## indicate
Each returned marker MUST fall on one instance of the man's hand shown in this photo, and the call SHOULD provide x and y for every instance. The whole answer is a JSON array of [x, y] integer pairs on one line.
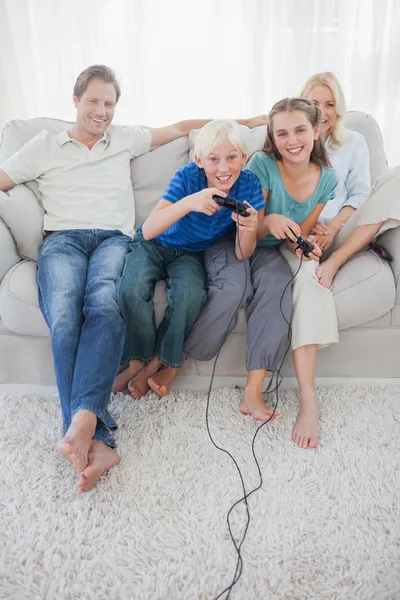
[[280, 227], [203, 201], [257, 121], [247, 224], [314, 255]]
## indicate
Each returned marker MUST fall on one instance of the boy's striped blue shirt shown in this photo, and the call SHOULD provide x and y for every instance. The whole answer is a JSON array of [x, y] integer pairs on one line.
[[196, 232]]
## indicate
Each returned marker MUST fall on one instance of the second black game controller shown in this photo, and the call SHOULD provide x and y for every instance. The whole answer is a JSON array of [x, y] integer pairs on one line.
[[303, 244], [233, 205], [380, 251]]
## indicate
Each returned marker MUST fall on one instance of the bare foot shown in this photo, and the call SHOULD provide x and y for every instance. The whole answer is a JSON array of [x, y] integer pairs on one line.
[[74, 447], [161, 382], [102, 458], [326, 272], [306, 430], [122, 379], [253, 403], [138, 385]]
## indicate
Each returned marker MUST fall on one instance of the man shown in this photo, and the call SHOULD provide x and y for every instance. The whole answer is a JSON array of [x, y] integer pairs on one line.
[[84, 178]]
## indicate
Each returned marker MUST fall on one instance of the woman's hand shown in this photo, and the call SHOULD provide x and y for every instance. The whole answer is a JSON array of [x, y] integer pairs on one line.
[[325, 241]]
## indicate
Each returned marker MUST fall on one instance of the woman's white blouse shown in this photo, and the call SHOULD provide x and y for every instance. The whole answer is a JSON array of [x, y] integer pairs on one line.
[[351, 163]]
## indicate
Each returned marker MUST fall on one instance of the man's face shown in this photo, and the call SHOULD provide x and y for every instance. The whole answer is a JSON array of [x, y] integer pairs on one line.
[[222, 166], [95, 109]]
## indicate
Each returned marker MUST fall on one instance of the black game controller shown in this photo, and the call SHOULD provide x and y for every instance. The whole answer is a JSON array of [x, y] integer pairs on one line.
[[380, 251], [233, 205], [303, 244]]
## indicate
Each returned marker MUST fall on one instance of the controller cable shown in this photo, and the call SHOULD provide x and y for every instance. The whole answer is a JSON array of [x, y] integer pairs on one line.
[[278, 381]]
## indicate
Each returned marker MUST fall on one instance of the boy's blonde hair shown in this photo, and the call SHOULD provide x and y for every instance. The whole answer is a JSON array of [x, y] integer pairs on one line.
[[214, 133], [338, 131]]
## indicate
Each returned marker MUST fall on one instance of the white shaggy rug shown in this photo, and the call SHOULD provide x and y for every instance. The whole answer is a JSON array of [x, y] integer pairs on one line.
[[325, 525]]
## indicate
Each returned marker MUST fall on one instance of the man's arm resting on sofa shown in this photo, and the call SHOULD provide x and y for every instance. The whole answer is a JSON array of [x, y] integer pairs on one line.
[[163, 135], [6, 183]]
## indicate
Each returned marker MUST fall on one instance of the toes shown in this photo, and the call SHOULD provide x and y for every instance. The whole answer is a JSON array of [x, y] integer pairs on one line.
[[305, 442], [314, 441]]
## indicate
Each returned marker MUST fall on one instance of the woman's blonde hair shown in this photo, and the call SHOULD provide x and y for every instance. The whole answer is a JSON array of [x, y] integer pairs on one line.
[[318, 154], [214, 133], [338, 131]]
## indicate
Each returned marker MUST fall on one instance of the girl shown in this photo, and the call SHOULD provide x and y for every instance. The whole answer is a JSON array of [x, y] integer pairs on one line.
[[293, 170]]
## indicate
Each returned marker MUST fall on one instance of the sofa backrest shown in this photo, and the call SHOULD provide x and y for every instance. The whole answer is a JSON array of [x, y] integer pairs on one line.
[[152, 172]]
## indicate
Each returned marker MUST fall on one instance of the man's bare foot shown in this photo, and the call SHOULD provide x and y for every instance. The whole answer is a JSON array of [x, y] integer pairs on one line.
[[102, 458], [74, 447], [161, 382], [122, 379], [253, 403], [138, 385], [306, 429], [326, 271]]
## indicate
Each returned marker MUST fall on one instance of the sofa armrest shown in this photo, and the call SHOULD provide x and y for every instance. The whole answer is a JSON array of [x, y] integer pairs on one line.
[[391, 241], [23, 215], [8, 250]]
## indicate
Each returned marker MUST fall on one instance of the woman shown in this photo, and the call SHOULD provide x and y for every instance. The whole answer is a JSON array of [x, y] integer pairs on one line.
[[348, 154]]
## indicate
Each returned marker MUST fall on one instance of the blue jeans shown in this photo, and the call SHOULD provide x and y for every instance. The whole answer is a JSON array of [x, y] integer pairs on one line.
[[76, 273], [183, 272]]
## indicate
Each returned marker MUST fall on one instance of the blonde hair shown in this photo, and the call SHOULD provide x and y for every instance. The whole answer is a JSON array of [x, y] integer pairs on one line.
[[338, 131], [214, 133]]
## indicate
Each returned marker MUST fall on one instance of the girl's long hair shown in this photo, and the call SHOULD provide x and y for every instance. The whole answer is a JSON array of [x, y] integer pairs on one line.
[[318, 154]]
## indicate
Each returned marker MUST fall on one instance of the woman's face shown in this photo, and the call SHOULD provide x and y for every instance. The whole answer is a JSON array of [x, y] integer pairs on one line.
[[322, 96]]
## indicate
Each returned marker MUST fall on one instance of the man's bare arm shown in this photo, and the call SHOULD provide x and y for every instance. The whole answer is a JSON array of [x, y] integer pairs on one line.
[[163, 135], [6, 183]]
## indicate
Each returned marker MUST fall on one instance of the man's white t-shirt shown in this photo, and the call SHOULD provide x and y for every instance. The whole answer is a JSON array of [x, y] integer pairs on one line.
[[82, 188]]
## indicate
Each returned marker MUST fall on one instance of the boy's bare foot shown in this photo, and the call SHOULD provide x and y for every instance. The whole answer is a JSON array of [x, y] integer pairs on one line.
[[327, 270], [74, 447], [161, 382], [306, 430], [138, 385], [122, 379], [101, 459], [253, 403]]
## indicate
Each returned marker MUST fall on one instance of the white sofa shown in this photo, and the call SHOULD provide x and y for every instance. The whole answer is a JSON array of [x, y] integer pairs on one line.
[[366, 290]]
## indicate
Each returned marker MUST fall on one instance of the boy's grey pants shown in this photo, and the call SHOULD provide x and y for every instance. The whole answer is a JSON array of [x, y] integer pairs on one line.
[[267, 273]]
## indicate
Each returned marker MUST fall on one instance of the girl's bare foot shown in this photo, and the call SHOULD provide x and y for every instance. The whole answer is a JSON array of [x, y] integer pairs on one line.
[[306, 431], [74, 447], [122, 379], [161, 382], [138, 385], [326, 271], [102, 458], [253, 403]]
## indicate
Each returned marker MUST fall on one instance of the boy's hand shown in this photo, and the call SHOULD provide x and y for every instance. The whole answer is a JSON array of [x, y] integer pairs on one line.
[[314, 255], [280, 227], [247, 224], [203, 201]]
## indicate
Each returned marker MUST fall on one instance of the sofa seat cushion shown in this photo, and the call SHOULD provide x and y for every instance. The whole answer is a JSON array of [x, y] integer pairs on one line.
[[364, 290], [19, 306]]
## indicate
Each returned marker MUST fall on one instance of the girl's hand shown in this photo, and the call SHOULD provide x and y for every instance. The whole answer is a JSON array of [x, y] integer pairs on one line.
[[203, 201], [314, 255], [247, 224], [281, 227]]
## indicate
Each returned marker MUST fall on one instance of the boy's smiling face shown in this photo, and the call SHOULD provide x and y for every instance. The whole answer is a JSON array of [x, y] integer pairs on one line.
[[222, 166]]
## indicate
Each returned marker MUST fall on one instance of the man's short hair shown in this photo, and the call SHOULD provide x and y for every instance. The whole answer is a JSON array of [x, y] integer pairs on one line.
[[214, 133], [96, 72]]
